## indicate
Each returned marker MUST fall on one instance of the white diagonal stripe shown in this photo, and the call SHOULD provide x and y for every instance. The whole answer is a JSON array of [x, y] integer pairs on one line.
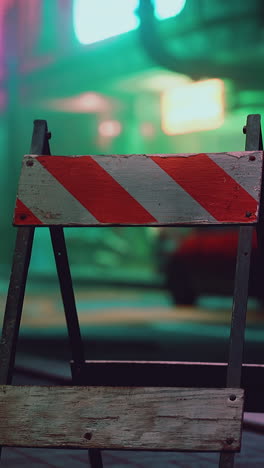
[[245, 172], [154, 189], [48, 199]]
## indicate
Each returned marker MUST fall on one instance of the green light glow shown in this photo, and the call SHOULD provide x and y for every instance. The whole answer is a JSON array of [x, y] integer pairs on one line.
[[95, 21]]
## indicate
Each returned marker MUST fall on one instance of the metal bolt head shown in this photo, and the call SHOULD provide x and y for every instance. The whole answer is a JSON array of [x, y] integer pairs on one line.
[[252, 158], [245, 129], [30, 162], [248, 214]]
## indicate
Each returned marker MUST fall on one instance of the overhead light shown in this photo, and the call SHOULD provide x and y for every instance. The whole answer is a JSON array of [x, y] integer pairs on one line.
[[193, 107], [95, 20]]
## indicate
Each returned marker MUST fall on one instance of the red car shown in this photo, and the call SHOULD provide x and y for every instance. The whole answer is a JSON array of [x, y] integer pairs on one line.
[[204, 264]]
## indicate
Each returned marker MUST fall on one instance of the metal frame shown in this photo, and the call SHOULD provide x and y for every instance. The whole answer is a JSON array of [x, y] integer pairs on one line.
[[21, 259]]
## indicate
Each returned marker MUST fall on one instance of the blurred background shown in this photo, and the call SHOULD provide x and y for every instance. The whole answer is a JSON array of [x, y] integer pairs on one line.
[[127, 76]]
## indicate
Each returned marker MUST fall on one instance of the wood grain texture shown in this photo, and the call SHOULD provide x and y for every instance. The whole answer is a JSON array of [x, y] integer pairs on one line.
[[183, 189], [121, 418]]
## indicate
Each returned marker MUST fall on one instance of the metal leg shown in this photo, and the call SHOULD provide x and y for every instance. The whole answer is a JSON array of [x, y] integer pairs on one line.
[[67, 293], [260, 225], [227, 460], [95, 458], [238, 324], [14, 303], [64, 275]]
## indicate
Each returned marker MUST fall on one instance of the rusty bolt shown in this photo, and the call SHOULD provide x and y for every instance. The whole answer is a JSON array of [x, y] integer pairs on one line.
[[88, 435], [252, 158], [30, 162]]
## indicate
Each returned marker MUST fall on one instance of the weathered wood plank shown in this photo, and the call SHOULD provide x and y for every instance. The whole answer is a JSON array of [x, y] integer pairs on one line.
[[121, 418], [183, 189]]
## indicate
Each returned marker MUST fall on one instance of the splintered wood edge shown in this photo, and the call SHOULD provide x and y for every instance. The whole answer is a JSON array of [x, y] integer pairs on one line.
[[141, 418]]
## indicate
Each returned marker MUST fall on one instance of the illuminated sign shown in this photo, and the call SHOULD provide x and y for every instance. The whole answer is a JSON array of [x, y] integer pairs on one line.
[[193, 107]]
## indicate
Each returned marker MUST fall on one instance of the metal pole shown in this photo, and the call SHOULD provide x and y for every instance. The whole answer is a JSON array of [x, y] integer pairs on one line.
[[64, 275], [239, 311]]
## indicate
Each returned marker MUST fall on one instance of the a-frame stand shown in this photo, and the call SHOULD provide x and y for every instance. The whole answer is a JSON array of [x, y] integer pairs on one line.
[[130, 374]]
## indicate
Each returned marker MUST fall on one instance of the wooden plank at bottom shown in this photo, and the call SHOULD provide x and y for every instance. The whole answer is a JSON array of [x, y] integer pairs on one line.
[[142, 418]]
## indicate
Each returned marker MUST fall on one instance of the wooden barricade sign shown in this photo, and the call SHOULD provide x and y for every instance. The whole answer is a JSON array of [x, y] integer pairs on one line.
[[193, 189]]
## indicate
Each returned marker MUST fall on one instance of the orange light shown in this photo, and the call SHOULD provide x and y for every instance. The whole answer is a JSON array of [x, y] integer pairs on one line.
[[110, 128], [193, 107]]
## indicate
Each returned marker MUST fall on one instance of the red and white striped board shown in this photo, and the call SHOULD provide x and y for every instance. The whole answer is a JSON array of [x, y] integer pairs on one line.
[[181, 189]]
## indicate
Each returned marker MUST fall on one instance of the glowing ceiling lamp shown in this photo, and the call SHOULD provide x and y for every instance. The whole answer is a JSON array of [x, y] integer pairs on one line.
[[101, 19], [193, 107]]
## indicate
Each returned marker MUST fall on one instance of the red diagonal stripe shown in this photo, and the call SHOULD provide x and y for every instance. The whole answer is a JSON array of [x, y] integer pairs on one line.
[[96, 190], [24, 216], [211, 187]]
